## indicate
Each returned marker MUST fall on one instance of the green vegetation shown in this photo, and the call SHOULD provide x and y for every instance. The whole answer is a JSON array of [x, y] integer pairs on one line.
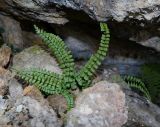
[[151, 77], [137, 83], [52, 83], [148, 83]]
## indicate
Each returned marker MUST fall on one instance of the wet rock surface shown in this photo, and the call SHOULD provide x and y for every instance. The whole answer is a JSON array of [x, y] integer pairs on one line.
[[102, 105]]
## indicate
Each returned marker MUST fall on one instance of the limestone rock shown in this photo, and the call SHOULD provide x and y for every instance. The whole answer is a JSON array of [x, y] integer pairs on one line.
[[35, 57], [141, 112], [31, 113], [102, 105], [15, 89], [33, 10], [100, 10]]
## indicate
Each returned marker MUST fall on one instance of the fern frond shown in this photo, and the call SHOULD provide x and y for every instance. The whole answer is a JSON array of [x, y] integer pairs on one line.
[[84, 76], [53, 83], [62, 54], [138, 84], [151, 77], [69, 99], [48, 82]]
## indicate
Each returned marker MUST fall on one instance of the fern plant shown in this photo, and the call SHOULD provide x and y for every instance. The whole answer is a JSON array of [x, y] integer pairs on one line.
[[138, 84], [151, 77], [53, 83]]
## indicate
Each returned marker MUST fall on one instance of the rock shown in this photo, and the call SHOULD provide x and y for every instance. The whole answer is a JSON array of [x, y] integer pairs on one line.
[[58, 103], [3, 105], [31, 39], [100, 10], [33, 92], [4, 79], [33, 10], [15, 89], [31, 113], [141, 112], [3, 87], [102, 105], [5, 53], [35, 57], [79, 40], [7, 82], [153, 42], [12, 32]]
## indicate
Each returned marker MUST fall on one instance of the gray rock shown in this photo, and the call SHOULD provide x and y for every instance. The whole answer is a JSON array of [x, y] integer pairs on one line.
[[141, 112], [153, 42], [35, 57], [15, 89], [78, 40], [120, 10], [102, 105], [100, 10], [3, 87], [3, 105], [32, 10], [31, 113], [12, 32], [7, 82]]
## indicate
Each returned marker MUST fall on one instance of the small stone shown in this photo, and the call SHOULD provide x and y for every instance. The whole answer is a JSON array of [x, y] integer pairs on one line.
[[3, 105], [58, 103], [3, 87], [15, 89], [33, 92], [102, 105], [5, 53], [19, 108], [3, 71]]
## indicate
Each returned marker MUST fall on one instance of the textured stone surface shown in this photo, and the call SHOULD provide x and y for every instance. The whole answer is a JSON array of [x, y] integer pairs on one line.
[[12, 34], [9, 84], [35, 57], [79, 39], [15, 89], [5, 53], [32, 10], [102, 105], [28, 112], [141, 112], [5, 77], [153, 42], [101, 10]]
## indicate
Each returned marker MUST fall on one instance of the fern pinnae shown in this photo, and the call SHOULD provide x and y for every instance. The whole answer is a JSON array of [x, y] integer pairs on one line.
[[62, 54], [94, 62], [138, 84], [53, 83]]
